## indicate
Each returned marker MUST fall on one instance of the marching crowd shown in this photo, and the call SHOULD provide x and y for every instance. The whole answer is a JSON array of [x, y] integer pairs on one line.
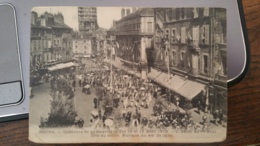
[[131, 95]]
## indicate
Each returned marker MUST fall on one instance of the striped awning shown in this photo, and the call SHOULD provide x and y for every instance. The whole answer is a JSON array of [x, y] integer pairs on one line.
[[163, 78], [190, 89], [153, 74], [176, 82], [53, 68]]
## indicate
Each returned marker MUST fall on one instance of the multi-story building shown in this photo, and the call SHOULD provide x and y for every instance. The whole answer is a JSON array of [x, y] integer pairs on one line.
[[82, 47], [51, 39], [41, 40], [62, 38], [87, 17], [192, 43], [134, 33]]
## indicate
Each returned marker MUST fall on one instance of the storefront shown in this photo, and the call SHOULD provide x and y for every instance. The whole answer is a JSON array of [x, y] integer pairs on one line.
[[62, 66], [182, 90]]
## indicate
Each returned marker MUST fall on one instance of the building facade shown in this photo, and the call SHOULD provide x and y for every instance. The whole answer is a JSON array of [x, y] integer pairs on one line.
[[41, 37], [51, 39], [82, 47], [134, 33], [87, 17], [192, 43]]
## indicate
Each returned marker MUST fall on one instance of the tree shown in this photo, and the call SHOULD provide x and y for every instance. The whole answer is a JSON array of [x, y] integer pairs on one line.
[[62, 112]]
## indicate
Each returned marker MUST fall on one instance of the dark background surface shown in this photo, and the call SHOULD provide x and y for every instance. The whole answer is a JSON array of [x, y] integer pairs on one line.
[[243, 98]]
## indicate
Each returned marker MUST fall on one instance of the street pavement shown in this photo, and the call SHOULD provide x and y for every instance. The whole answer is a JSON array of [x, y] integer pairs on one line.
[[40, 102]]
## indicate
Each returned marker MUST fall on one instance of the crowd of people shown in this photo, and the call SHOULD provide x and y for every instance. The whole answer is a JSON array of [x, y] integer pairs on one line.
[[141, 104], [134, 98]]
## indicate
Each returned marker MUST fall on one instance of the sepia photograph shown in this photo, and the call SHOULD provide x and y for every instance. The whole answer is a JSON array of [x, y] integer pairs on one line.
[[128, 74]]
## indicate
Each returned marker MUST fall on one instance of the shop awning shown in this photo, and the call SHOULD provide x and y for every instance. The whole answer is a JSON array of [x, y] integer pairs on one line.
[[190, 89], [61, 66], [53, 68], [153, 74], [163, 79], [131, 72], [69, 64], [175, 82]]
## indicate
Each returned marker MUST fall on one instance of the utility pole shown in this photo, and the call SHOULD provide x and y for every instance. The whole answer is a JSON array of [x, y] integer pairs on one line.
[[111, 67], [167, 46]]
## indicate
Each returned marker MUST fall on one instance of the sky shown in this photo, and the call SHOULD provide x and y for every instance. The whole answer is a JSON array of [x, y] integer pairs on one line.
[[105, 15]]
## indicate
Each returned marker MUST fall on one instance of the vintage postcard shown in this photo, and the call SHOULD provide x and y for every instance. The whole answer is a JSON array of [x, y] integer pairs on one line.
[[128, 74]]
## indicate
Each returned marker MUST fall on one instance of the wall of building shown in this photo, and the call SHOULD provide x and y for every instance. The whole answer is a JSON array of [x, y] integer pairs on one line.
[[49, 43], [191, 39], [82, 46], [134, 35], [87, 18], [147, 25], [40, 37]]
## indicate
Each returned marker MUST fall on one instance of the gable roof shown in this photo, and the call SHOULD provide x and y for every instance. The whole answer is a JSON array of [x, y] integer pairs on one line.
[[59, 25]]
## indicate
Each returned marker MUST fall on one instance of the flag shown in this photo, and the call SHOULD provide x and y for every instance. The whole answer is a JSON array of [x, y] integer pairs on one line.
[[117, 45], [38, 65], [167, 58]]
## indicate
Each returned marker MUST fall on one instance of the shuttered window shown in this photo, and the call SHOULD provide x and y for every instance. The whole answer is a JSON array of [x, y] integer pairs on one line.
[[183, 34], [205, 34], [167, 34], [206, 11], [173, 35], [195, 36]]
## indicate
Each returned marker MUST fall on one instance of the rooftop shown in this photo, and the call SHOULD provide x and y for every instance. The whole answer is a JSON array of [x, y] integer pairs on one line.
[[142, 12]]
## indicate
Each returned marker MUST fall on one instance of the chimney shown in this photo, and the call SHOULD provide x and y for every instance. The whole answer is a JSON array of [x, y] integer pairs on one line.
[[43, 21], [123, 12], [127, 12], [59, 18], [34, 18]]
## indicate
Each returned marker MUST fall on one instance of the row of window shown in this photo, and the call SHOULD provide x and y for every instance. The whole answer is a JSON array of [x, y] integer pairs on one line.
[[171, 57], [86, 9], [64, 44], [130, 27], [186, 13], [82, 17], [43, 44], [40, 34], [197, 35], [87, 13], [84, 41], [85, 47], [86, 24], [136, 27], [81, 52], [40, 44]]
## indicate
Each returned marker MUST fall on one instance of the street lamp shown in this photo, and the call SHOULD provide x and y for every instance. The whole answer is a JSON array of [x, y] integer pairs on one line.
[[167, 49], [112, 37]]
